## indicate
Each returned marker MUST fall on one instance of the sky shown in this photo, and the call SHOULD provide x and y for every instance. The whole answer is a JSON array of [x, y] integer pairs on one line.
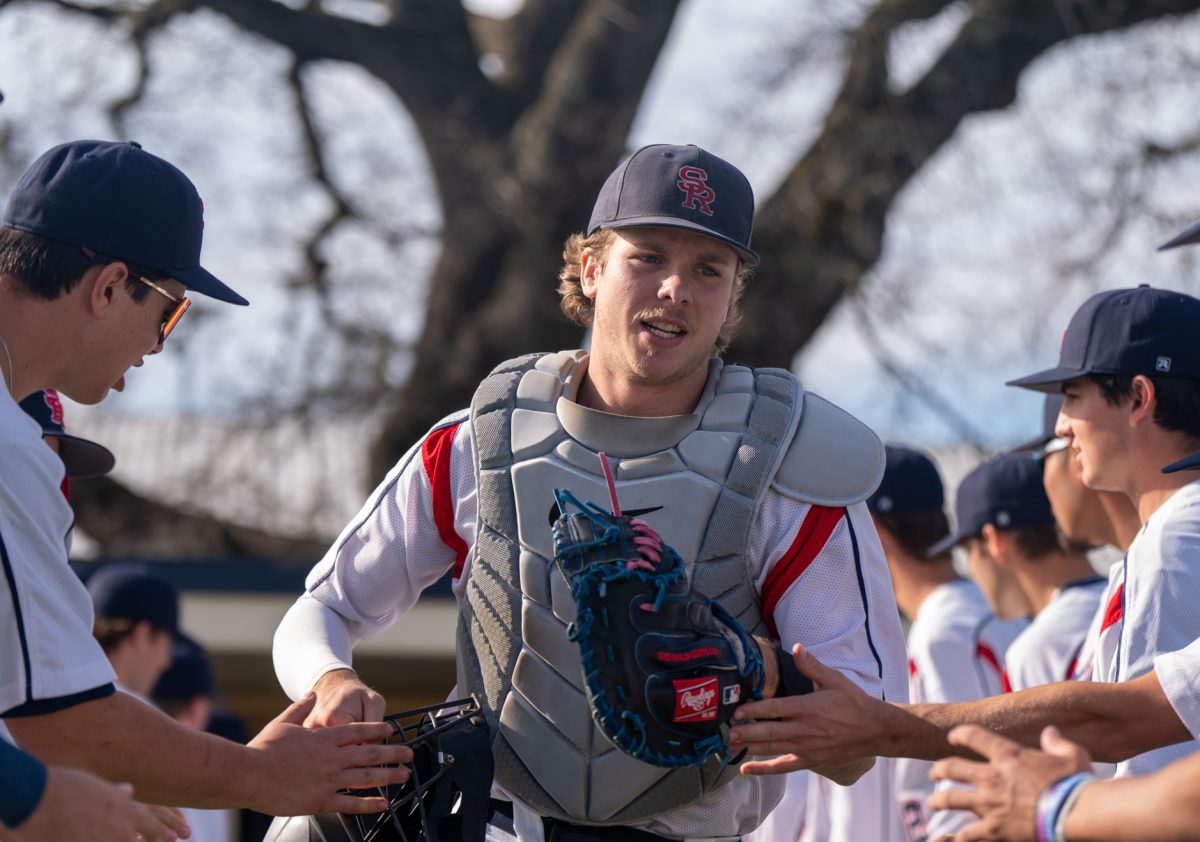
[[969, 292]]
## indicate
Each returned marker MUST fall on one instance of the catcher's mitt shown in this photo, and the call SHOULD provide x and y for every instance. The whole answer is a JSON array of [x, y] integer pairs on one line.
[[664, 666]]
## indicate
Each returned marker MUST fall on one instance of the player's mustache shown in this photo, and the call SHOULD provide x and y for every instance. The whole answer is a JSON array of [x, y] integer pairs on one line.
[[664, 315]]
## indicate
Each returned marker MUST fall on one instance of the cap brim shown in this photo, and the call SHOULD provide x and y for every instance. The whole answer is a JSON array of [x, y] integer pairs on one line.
[[1187, 463], [1186, 237], [83, 458], [1047, 381], [749, 256], [199, 279], [945, 545], [1032, 445]]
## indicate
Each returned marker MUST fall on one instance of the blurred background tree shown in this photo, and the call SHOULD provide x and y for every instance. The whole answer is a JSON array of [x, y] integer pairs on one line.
[[391, 183]]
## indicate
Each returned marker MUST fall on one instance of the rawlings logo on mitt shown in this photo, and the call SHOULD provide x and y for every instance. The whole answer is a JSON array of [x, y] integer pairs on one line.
[[664, 666]]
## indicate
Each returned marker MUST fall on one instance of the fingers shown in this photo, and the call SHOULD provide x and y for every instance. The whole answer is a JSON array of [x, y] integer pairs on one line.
[[954, 799], [1053, 742], [983, 742], [375, 754], [362, 732], [773, 708], [356, 805], [773, 766], [959, 769], [821, 675], [171, 819], [370, 777], [298, 710]]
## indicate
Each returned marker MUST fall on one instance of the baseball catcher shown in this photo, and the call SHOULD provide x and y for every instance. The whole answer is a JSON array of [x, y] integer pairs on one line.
[[664, 666]]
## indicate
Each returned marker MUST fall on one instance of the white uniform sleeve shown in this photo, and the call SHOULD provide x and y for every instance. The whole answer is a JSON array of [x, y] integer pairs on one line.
[[1179, 674], [381, 562], [50, 659], [834, 592]]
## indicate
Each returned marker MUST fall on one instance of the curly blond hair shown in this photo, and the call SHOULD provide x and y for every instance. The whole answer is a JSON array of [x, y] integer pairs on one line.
[[581, 310]]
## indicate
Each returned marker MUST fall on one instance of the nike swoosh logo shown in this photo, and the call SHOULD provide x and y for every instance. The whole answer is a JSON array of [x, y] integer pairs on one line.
[[554, 513]]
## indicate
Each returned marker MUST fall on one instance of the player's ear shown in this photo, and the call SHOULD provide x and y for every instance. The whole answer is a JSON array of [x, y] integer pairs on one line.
[[101, 286], [589, 268], [995, 543], [1143, 397]]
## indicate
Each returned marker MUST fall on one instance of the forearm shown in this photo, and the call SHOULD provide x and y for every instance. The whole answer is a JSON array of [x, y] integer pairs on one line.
[[1112, 721], [1163, 807], [311, 640], [123, 739]]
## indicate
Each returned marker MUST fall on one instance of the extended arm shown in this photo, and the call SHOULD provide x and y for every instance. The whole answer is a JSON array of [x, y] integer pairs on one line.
[[839, 723], [286, 770]]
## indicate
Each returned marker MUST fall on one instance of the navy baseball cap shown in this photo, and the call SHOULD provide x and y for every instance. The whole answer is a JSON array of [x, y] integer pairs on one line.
[[1187, 236], [1127, 332], [679, 187], [81, 457], [132, 592], [119, 201], [911, 483], [188, 676], [1050, 410], [1006, 492]]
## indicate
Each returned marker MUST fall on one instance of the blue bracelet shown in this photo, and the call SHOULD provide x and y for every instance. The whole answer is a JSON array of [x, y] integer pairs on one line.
[[1051, 802]]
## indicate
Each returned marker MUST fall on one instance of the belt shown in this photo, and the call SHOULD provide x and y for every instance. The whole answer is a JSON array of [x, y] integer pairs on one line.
[[558, 830]]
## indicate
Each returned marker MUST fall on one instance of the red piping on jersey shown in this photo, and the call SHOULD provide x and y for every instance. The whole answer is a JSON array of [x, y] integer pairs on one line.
[[435, 455], [984, 651], [811, 538], [1115, 609]]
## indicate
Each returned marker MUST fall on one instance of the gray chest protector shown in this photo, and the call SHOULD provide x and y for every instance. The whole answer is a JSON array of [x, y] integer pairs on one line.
[[697, 479]]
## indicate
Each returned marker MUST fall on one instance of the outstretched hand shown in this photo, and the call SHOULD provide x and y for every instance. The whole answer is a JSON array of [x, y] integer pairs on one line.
[[830, 731], [302, 771], [1008, 785]]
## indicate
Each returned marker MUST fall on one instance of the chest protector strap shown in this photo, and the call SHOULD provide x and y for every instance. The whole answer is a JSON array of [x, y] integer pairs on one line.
[[512, 647]]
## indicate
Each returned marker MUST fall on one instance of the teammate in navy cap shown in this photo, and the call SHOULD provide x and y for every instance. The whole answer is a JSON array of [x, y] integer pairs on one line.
[[956, 644], [757, 483], [1129, 373], [99, 243], [1085, 516]]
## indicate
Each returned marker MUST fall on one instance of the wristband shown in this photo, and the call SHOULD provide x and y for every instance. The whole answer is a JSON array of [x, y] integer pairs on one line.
[[1060, 823], [1050, 805], [792, 682]]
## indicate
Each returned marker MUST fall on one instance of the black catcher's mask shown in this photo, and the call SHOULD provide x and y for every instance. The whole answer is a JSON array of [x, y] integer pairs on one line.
[[445, 799]]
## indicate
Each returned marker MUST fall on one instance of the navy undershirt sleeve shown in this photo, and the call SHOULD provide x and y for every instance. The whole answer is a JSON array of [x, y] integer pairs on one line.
[[22, 781]]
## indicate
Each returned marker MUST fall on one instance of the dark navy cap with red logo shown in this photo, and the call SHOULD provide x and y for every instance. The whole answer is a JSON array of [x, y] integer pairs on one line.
[[1127, 332], [81, 457], [911, 483], [1006, 492], [119, 201], [679, 187]]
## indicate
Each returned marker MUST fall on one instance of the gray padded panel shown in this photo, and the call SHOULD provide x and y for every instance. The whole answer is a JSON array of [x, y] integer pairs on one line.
[[553, 760], [535, 582], [728, 413], [555, 647], [534, 433], [664, 462], [834, 459], [557, 701], [538, 387], [709, 453]]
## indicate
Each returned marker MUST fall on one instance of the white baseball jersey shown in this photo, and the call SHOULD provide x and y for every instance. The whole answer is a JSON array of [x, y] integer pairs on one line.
[[1151, 607], [1179, 674], [834, 595], [786, 821], [863, 810], [1048, 650], [50, 659], [956, 650]]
